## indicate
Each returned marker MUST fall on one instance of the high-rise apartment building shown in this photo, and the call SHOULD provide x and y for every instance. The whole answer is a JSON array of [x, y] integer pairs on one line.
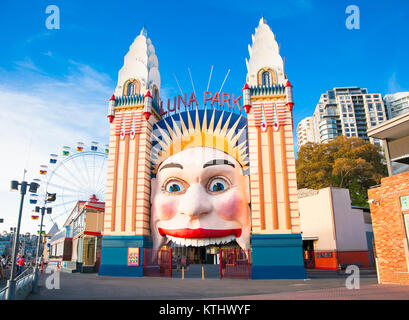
[[347, 111], [305, 131], [396, 104]]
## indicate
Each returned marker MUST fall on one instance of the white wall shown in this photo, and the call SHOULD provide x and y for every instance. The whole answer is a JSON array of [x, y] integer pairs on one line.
[[349, 223], [316, 219]]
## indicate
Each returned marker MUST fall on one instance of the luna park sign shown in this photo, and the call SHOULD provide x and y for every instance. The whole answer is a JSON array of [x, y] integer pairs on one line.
[[218, 100]]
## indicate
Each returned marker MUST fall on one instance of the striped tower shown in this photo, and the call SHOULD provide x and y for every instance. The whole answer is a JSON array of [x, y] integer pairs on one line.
[[276, 236], [132, 112]]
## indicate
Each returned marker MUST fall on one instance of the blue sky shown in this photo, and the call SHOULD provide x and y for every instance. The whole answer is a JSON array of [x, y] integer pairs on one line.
[[54, 84]]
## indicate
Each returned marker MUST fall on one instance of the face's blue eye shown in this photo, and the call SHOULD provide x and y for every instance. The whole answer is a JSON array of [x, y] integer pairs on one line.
[[218, 185], [174, 187]]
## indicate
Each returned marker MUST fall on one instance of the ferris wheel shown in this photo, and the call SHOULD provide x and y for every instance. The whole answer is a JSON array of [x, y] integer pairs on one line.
[[76, 174]]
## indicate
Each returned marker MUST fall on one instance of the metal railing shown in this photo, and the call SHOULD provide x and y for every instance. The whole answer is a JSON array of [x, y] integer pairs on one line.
[[24, 282], [3, 293]]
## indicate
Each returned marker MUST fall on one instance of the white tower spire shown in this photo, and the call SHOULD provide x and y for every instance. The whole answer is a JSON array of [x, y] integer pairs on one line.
[[140, 65], [264, 55]]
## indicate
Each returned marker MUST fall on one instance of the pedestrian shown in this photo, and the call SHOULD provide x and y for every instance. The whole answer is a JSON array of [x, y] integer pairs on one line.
[[2, 267], [178, 262], [20, 265], [3, 261]]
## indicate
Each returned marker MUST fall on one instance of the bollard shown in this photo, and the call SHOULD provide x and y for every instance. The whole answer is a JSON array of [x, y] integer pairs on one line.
[[183, 273], [202, 273], [42, 267]]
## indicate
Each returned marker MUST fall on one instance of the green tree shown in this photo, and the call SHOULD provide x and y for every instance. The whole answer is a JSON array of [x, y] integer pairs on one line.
[[350, 163]]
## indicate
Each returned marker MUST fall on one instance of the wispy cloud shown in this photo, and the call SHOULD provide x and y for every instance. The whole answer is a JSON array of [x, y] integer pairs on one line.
[[40, 114], [27, 63], [393, 84]]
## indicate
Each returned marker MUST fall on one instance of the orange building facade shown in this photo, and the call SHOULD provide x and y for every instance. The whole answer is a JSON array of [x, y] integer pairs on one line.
[[390, 220]]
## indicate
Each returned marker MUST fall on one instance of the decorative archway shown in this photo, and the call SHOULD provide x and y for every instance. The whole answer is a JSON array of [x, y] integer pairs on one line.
[[266, 77], [131, 87]]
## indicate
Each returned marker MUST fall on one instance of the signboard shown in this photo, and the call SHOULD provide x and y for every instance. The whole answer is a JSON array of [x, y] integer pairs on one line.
[[324, 255], [219, 100], [133, 257], [404, 203]]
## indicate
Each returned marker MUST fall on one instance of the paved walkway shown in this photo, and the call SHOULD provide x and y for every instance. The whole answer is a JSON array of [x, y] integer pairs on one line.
[[368, 292], [94, 287]]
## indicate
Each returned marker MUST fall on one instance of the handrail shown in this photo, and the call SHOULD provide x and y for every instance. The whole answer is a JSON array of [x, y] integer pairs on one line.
[[21, 281], [20, 276], [3, 292]]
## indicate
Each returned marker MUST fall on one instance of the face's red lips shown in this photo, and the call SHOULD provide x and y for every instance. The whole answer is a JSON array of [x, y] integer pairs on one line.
[[199, 233]]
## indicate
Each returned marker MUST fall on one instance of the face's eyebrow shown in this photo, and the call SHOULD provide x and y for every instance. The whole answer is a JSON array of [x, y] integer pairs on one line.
[[218, 162], [172, 165]]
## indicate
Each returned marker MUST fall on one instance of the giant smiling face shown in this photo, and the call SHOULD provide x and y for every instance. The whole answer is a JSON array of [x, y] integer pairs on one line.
[[200, 197]]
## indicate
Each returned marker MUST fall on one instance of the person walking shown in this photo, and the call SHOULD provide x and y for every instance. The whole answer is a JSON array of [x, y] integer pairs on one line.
[[178, 260], [20, 265], [2, 267]]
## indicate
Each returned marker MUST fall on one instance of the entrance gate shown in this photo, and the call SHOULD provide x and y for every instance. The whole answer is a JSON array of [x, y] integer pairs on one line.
[[235, 263], [157, 263]]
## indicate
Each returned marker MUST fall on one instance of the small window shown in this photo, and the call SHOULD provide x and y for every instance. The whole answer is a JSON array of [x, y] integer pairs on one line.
[[130, 89], [156, 95], [266, 79]]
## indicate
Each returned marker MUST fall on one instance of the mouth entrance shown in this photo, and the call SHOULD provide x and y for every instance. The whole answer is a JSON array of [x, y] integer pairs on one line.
[[195, 242], [199, 233]]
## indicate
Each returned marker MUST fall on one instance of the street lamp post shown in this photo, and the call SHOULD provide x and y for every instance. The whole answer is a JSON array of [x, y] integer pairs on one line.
[[50, 197], [23, 189]]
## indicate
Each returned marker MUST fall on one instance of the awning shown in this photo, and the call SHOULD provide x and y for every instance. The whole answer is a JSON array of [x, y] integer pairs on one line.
[[309, 238]]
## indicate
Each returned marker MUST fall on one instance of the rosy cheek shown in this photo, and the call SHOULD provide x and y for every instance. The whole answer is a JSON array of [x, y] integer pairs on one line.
[[167, 207], [231, 208]]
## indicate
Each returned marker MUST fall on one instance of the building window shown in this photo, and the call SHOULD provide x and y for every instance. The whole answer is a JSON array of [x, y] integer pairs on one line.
[[131, 88], [266, 79], [156, 95]]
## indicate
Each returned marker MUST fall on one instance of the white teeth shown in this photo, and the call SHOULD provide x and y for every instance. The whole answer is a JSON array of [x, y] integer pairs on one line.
[[200, 242]]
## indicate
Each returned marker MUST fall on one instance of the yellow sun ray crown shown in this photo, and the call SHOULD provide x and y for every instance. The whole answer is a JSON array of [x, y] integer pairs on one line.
[[178, 137]]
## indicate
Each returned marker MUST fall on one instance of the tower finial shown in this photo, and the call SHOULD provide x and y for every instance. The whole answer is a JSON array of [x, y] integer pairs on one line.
[[144, 32]]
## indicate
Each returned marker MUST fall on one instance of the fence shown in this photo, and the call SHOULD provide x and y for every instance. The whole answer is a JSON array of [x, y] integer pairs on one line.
[[24, 284], [235, 263], [157, 263]]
